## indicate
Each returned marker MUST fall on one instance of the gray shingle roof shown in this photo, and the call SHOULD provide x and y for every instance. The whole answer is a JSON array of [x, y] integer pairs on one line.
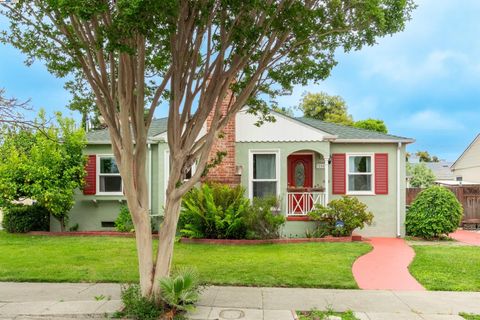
[[157, 127], [346, 132]]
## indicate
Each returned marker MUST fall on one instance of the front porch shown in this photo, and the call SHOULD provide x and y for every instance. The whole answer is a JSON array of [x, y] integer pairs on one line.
[[307, 183]]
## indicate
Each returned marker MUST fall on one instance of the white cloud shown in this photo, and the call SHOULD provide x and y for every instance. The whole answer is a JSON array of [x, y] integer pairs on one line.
[[430, 120], [412, 71]]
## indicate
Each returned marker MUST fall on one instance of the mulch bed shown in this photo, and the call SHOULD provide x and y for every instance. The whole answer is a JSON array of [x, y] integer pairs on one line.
[[271, 241], [352, 238], [84, 234]]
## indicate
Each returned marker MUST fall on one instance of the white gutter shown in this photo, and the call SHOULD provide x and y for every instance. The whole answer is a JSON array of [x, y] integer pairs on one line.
[[150, 178], [399, 147]]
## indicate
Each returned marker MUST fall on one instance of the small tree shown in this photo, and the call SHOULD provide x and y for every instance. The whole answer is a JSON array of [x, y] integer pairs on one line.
[[435, 212], [372, 124], [46, 165], [420, 175]]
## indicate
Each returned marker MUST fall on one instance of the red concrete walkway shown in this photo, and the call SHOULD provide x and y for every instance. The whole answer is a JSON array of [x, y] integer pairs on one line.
[[386, 266], [466, 236]]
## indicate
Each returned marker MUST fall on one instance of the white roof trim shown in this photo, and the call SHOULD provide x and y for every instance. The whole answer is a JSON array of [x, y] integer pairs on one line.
[[374, 141], [452, 167]]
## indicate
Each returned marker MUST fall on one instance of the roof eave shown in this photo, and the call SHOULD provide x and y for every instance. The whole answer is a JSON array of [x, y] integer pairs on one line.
[[404, 141]]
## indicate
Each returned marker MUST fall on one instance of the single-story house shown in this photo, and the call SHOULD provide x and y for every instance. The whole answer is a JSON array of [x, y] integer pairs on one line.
[[302, 161], [441, 170], [467, 167]]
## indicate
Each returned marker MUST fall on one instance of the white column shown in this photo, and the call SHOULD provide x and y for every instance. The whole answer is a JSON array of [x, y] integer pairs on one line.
[[327, 187]]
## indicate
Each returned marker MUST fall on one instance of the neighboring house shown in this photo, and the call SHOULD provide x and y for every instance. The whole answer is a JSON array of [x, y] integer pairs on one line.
[[301, 161], [441, 170], [467, 166]]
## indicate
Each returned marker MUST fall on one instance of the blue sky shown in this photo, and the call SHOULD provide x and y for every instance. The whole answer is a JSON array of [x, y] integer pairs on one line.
[[424, 82]]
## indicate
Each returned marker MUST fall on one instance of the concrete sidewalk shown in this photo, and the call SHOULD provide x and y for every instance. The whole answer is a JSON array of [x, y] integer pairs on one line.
[[69, 301]]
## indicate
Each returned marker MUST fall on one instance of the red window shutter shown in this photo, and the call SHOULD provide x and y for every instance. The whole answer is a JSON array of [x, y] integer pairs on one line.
[[381, 173], [91, 177], [339, 173]]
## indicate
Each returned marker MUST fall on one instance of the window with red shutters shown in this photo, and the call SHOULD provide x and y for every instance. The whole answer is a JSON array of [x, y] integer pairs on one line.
[[90, 187], [339, 173], [381, 173]]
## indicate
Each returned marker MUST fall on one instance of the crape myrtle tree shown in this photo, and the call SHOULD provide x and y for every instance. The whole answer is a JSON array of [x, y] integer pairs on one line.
[[186, 56]]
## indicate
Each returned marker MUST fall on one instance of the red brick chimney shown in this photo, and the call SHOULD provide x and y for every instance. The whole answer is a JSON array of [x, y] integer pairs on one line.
[[226, 171]]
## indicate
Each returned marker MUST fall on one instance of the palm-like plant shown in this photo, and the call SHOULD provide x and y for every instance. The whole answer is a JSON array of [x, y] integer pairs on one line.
[[181, 291]]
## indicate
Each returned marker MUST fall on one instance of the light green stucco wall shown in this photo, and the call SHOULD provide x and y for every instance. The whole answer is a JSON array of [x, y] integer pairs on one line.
[[90, 210], [384, 207], [89, 214]]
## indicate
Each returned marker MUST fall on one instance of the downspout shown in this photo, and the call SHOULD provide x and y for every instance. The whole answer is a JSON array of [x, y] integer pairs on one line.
[[150, 178], [399, 147]]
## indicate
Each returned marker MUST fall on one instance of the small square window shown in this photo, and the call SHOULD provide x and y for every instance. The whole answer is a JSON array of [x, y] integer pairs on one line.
[[109, 179], [360, 173]]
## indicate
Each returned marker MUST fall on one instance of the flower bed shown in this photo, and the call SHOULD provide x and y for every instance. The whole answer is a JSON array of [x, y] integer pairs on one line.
[[84, 234], [272, 241]]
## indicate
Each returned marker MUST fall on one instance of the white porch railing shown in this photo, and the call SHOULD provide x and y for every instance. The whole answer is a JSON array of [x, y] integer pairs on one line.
[[302, 202]]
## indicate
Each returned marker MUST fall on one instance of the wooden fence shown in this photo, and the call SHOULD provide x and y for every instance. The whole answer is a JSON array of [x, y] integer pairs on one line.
[[469, 197]]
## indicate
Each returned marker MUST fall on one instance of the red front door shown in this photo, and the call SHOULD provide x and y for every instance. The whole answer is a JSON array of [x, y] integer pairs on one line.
[[300, 177]]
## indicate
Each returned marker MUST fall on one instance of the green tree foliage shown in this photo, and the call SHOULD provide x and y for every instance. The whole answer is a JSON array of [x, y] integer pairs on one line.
[[45, 164], [24, 218], [322, 106], [420, 175], [372, 124], [434, 213], [348, 210], [424, 156]]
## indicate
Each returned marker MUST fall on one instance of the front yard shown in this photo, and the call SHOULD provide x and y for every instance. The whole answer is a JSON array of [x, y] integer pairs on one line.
[[447, 267], [111, 259]]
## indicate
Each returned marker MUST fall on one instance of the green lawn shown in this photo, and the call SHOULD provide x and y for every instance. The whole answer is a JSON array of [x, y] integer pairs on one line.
[[111, 259], [444, 267], [470, 316]]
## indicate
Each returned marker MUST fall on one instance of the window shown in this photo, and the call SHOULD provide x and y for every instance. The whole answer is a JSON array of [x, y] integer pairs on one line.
[[264, 175], [360, 174], [109, 180]]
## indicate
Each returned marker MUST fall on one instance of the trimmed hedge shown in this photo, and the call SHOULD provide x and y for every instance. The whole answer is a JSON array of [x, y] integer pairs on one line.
[[21, 218], [434, 213]]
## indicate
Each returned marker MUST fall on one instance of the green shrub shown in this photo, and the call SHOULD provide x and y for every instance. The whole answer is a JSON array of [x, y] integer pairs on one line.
[[214, 211], [180, 292], [124, 221], [136, 306], [435, 212], [261, 222], [341, 216], [22, 218]]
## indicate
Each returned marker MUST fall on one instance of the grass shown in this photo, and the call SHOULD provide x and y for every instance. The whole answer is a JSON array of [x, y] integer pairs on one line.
[[470, 316], [320, 315], [112, 259], [443, 267]]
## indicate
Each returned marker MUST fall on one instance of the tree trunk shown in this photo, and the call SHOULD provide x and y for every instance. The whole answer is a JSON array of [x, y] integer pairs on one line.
[[62, 224], [143, 237], [166, 242]]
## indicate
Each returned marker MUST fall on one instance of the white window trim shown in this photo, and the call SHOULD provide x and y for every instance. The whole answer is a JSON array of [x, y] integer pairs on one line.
[[252, 152], [372, 164], [98, 192]]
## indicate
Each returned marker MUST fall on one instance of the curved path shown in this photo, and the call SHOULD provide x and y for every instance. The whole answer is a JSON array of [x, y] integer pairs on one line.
[[386, 266], [466, 236]]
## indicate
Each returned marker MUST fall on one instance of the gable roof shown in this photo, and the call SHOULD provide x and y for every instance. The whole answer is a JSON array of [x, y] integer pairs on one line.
[[158, 126], [339, 133], [465, 151], [352, 134]]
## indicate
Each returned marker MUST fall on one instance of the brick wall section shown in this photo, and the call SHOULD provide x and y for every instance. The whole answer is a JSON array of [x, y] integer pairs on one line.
[[225, 172]]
